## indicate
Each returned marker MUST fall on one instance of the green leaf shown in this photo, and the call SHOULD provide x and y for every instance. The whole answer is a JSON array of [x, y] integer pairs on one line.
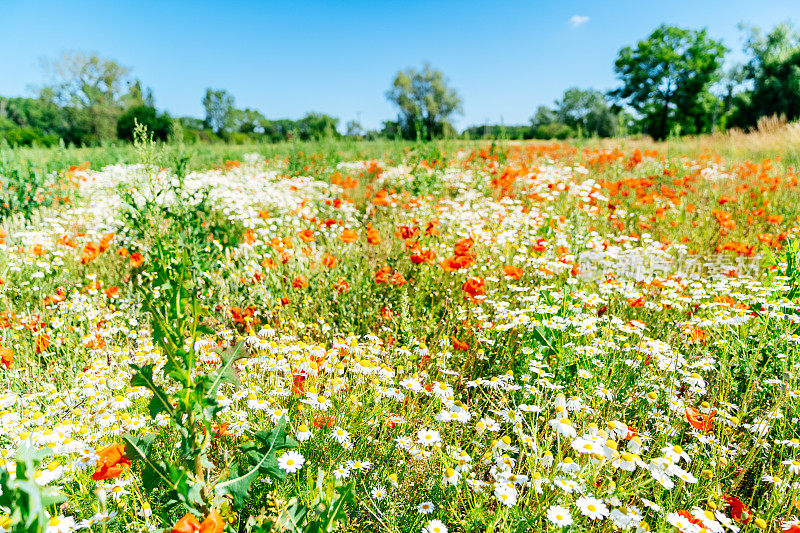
[[226, 373], [335, 512], [137, 448], [262, 459], [159, 403], [292, 519]]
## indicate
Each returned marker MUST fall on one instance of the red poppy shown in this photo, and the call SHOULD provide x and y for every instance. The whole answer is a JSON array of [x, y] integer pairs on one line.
[[349, 236], [428, 256], [699, 420], [42, 343], [460, 345], [189, 524], [6, 356], [306, 235], [373, 237], [456, 263], [321, 421], [475, 287], [463, 247], [688, 516], [136, 260], [328, 260], [298, 384], [512, 272], [111, 463], [739, 511]]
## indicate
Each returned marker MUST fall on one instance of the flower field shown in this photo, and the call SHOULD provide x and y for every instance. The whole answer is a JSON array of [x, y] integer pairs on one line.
[[505, 338]]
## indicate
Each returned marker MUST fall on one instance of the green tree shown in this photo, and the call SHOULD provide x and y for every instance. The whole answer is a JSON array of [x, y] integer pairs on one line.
[[425, 101], [317, 126], [159, 124], [587, 111], [248, 121], [666, 78], [43, 122], [137, 95], [773, 71], [220, 110], [353, 128], [91, 86]]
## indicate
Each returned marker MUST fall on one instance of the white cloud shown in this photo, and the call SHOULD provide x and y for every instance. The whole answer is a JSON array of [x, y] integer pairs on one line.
[[578, 20]]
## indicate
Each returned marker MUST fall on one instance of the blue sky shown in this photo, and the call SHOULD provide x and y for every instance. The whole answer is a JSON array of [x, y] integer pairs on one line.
[[339, 57]]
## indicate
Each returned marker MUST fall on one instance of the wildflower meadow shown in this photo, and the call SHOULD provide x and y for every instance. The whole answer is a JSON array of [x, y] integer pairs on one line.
[[436, 337]]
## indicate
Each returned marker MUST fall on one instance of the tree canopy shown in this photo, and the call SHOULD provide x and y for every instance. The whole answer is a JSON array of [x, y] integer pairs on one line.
[[671, 82], [774, 71], [665, 78], [219, 106], [425, 101]]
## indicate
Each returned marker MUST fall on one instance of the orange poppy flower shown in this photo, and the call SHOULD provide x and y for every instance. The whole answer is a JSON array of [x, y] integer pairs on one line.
[[137, 260], [321, 421], [636, 302], [306, 235], [105, 242], [463, 247], [698, 335], [698, 420], [460, 345], [112, 292], [373, 237], [738, 510], [6, 356], [300, 282], [349, 236], [111, 463], [298, 384], [187, 524], [221, 430], [430, 227], [341, 286], [213, 523], [456, 263], [328, 260], [512, 272], [42, 343], [475, 287], [428, 256]]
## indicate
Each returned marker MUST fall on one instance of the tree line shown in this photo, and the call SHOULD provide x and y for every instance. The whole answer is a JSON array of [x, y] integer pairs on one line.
[[671, 83]]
